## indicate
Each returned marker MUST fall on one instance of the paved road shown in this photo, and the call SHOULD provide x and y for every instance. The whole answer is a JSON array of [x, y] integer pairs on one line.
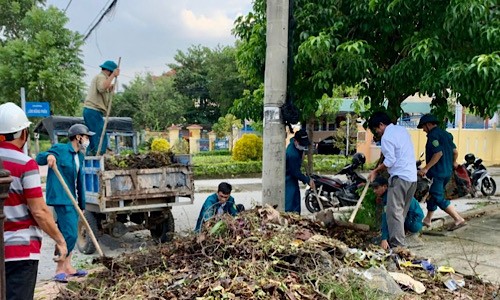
[[474, 249]]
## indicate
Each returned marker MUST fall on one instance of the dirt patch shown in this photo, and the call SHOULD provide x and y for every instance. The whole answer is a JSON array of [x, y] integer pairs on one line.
[[260, 254], [138, 161]]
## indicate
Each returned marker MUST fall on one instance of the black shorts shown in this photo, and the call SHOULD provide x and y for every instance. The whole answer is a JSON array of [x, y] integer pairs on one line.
[[21, 279]]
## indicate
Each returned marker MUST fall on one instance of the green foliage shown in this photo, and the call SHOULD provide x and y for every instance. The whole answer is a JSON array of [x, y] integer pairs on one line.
[[248, 147], [210, 79], [213, 153], [151, 102], [370, 212], [181, 146], [339, 139], [224, 126], [231, 168], [12, 14], [160, 145], [218, 166], [37, 52], [389, 49]]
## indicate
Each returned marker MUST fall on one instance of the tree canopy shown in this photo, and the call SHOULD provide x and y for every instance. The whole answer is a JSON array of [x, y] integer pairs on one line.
[[392, 49], [210, 79], [151, 102], [37, 52]]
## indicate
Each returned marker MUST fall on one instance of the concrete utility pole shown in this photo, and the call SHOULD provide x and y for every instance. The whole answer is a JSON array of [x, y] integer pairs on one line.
[[273, 162]]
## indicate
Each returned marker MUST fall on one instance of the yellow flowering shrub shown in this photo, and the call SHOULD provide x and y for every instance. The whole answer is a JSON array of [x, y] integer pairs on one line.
[[248, 147], [160, 145]]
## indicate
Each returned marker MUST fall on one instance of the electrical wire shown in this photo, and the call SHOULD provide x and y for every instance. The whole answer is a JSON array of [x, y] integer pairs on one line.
[[107, 11], [67, 6]]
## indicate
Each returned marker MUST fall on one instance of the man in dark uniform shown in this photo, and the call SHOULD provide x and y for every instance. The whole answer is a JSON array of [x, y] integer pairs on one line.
[[294, 153], [441, 158]]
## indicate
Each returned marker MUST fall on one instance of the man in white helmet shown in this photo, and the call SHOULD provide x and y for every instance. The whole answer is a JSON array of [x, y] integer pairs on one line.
[[26, 213]]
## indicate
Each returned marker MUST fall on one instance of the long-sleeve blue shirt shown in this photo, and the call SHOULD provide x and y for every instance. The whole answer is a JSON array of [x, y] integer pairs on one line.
[[65, 160], [413, 220], [211, 206], [294, 163]]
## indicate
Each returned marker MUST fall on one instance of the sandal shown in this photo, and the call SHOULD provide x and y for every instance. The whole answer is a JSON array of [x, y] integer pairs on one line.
[[61, 277], [456, 226], [79, 273]]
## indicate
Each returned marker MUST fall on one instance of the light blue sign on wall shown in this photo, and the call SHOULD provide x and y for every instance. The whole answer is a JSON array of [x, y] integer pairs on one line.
[[37, 109]]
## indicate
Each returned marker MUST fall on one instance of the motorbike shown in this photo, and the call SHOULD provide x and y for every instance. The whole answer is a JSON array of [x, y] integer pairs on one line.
[[333, 192], [478, 174]]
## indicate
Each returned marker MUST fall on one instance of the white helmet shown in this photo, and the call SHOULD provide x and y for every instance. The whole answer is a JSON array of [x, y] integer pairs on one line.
[[12, 118]]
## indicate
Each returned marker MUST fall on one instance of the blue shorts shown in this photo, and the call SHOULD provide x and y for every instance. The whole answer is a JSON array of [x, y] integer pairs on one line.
[[437, 194], [67, 222]]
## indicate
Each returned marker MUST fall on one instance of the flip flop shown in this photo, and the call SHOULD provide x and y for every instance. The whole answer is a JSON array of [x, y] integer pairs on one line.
[[456, 226], [427, 224], [61, 277], [79, 273]]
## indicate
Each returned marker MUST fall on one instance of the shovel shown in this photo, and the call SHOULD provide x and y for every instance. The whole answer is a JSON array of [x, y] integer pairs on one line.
[[327, 216], [358, 205], [82, 217]]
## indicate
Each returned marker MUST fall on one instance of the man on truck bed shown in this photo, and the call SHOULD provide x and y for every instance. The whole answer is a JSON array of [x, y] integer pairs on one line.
[[69, 160], [95, 106]]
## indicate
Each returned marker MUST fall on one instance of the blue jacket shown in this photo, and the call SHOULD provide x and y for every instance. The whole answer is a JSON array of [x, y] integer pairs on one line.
[[210, 207], [439, 140], [413, 220], [294, 163], [55, 194]]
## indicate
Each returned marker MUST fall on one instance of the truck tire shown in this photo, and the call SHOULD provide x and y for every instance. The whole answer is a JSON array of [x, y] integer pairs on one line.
[[164, 230], [84, 242]]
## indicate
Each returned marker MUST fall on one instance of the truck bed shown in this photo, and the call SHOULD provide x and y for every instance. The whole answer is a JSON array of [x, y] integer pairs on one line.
[[136, 189]]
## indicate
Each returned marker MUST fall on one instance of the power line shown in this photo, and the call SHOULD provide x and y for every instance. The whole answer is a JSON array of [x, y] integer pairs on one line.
[[67, 6], [107, 11]]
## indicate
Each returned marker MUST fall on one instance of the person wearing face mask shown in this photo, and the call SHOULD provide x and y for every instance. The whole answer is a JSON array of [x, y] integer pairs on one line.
[[69, 159], [26, 213], [294, 154]]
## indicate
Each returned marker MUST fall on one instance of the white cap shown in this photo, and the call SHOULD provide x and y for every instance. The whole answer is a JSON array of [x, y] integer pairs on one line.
[[12, 118]]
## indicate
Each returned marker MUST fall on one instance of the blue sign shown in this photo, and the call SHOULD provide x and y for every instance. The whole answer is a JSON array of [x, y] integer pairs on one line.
[[37, 109]]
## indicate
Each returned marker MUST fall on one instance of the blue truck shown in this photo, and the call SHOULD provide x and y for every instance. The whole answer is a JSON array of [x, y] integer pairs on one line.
[[119, 201]]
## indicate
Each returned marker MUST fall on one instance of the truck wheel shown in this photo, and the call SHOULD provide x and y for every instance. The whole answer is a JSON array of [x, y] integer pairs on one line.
[[164, 230], [84, 242], [118, 229]]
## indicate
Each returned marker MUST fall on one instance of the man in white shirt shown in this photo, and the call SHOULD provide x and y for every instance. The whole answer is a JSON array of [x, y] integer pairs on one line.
[[399, 161]]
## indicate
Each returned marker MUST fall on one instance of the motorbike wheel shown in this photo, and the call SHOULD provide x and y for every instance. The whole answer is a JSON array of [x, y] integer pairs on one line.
[[488, 187], [311, 202]]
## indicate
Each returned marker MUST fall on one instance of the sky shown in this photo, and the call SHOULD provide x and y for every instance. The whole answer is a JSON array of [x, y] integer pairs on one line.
[[146, 34]]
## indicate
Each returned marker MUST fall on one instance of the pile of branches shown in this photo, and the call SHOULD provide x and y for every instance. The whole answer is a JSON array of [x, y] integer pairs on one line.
[[150, 160], [260, 254]]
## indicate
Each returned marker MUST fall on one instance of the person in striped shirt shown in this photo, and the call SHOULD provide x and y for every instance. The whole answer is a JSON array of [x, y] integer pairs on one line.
[[26, 213]]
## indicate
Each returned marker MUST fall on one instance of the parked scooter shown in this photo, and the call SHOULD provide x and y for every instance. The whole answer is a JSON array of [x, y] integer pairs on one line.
[[480, 179], [332, 192]]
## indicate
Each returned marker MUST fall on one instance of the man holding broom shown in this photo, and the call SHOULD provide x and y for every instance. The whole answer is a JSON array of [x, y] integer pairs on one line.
[[96, 105], [69, 159]]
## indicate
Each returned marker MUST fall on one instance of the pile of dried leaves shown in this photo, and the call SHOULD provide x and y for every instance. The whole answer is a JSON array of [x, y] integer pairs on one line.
[[260, 254], [138, 161]]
